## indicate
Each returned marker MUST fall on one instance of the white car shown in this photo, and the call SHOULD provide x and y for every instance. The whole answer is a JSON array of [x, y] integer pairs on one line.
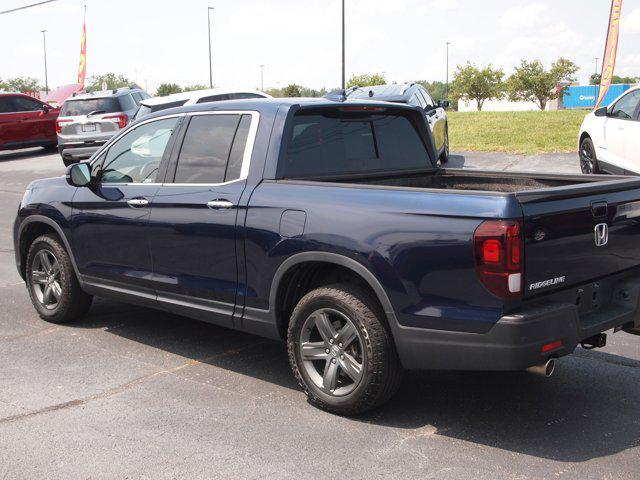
[[609, 139], [155, 104]]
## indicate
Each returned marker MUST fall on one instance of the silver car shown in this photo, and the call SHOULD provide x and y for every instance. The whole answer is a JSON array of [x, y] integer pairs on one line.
[[87, 121]]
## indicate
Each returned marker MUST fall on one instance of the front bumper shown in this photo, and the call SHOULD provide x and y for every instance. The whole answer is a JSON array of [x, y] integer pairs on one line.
[[516, 340]]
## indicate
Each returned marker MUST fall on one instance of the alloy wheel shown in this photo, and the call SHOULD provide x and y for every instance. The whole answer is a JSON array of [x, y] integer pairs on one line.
[[331, 349], [45, 279], [586, 158]]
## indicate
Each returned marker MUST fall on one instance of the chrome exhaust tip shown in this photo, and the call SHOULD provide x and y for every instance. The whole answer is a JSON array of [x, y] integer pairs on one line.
[[545, 369]]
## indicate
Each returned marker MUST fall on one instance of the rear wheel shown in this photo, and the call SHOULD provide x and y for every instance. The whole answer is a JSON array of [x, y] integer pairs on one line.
[[52, 283], [588, 160], [341, 351]]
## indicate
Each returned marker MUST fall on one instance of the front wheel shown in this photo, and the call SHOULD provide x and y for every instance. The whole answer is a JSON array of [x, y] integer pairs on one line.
[[588, 159], [341, 351], [52, 283], [444, 156]]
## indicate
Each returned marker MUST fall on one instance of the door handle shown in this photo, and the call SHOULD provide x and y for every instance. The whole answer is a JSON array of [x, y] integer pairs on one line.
[[138, 202], [217, 204]]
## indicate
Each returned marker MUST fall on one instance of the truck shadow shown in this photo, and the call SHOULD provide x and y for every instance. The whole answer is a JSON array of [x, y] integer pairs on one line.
[[587, 410]]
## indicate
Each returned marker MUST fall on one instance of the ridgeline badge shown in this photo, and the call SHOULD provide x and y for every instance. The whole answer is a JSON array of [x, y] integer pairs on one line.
[[546, 283]]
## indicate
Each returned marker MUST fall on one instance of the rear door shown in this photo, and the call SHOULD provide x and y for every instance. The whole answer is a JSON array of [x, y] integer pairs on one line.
[[194, 231], [110, 221], [580, 238]]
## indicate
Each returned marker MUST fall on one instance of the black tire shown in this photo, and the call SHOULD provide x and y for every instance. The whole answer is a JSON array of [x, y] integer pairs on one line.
[[380, 373], [444, 156], [72, 302], [51, 148], [588, 159]]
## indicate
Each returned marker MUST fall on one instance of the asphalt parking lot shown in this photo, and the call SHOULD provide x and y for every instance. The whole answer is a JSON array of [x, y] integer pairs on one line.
[[134, 393]]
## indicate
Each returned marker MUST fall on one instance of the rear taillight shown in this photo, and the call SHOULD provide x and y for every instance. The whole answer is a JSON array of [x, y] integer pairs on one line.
[[59, 124], [499, 252], [120, 119]]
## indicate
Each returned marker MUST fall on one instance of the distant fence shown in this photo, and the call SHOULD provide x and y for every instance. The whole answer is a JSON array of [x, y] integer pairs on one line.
[[584, 96]]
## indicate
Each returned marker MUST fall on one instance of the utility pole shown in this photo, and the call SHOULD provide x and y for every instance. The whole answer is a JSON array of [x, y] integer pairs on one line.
[[447, 87], [46, 76], [210, 61], [344, 82], [261, 78]]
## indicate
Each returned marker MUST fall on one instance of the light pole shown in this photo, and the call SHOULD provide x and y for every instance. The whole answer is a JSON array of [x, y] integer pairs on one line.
[[344, 82], [261, 78], [46, 76], [447, 84], [210, 61]]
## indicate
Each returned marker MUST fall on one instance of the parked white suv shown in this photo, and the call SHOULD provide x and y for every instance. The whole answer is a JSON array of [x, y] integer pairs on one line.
[[609, 139], [155, 104]]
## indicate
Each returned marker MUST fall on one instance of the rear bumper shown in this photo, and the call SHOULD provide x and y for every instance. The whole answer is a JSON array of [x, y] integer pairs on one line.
[[515, 342], [72, 154]]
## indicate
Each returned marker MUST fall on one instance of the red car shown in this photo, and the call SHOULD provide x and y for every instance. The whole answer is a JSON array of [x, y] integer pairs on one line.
[[26, 122]]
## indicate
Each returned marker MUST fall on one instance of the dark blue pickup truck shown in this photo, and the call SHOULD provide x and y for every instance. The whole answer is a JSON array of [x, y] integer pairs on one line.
[[329, 225]]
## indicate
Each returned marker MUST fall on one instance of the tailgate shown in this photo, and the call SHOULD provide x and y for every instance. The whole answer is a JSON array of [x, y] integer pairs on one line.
[[580, 234]]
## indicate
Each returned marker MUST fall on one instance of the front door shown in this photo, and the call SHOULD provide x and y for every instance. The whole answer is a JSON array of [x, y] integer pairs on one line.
[[110, 220], [193, 222], [620, 129]]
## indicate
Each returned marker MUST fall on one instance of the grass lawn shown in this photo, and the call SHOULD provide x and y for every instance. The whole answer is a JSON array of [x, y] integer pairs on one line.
[[515, 132]]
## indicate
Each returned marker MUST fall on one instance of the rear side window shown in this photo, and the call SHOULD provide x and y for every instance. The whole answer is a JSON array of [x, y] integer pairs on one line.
[[136, 97], [325, 145], [127, 103], [6, 105], [213, 149], [73, 108], [240, 96]]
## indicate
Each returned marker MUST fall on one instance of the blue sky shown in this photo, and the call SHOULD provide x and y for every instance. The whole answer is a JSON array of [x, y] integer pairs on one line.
[[299, 40]]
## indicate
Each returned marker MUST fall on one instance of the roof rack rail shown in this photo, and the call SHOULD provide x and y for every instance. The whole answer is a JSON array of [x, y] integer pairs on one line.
[[407, 86]]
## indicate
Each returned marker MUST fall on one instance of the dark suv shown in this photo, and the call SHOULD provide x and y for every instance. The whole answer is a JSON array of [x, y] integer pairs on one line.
[[416, 95], [88, 120]]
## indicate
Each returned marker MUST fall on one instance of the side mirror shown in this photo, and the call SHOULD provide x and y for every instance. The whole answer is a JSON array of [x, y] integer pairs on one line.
[[79, 175], [601, 112], [444, 103]]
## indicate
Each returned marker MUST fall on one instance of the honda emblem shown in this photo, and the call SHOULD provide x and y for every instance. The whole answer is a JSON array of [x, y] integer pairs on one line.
[[601, 234]]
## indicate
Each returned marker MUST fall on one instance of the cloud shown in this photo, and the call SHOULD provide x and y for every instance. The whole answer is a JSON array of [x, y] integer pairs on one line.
[[444, 5], [521, 16], [632, 23]]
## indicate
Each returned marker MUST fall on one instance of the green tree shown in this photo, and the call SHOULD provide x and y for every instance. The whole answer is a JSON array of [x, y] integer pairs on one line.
[[479, 84], [533, 83], [197, 86], [366, 80], [594, 79], [311, 92], [112, 81], [437, 90], [292, 90], [21, 84], [167, 89]]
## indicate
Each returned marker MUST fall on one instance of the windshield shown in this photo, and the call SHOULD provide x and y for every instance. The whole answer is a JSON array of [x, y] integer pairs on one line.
[[73, 108], [348, 143]]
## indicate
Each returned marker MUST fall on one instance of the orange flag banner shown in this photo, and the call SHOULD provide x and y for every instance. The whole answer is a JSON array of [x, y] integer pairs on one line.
[[610, 50], [82, 69]]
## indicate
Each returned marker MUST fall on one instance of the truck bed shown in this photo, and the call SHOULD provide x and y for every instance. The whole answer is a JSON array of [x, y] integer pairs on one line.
[[452, 179]]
